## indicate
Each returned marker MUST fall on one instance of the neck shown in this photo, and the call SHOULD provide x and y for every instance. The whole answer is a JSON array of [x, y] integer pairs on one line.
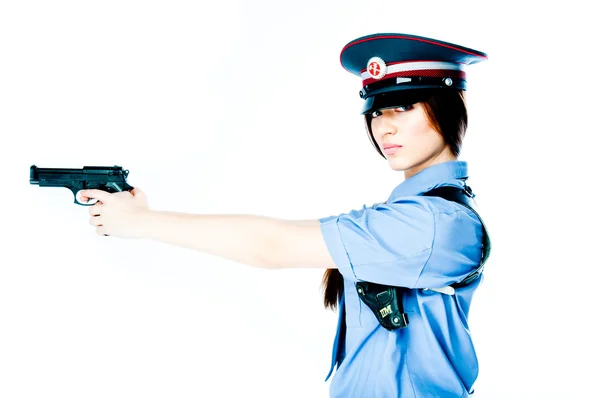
[[444, 156]]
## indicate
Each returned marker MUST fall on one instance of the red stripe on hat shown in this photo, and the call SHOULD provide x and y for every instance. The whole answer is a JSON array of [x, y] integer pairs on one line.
[[457, 74], [407, 38]]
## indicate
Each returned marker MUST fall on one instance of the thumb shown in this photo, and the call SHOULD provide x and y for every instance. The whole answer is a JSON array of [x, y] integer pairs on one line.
[[137, 192]]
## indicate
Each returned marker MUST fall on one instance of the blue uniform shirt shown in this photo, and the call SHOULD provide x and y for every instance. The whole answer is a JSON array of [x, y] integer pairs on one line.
[[416, 242]]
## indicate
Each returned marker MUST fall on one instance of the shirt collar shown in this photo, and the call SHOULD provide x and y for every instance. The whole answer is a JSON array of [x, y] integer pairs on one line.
[[446, 173]]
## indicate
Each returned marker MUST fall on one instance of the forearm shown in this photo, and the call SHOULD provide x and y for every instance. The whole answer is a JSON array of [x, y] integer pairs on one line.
[[242, 238]]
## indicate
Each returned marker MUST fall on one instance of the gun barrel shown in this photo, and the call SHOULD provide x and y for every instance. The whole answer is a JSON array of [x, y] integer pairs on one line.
[[36, 173]]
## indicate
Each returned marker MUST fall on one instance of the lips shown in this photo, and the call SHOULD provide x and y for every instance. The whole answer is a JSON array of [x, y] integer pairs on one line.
[[391, 149]]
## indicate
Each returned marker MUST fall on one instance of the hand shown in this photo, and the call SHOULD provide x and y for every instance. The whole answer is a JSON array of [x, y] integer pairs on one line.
[[119, 214]]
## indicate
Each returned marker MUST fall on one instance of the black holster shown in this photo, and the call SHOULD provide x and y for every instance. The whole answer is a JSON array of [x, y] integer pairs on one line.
[[385, 302]]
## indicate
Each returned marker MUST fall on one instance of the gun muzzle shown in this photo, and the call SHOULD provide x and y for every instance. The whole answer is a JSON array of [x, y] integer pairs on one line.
[[33, 175]]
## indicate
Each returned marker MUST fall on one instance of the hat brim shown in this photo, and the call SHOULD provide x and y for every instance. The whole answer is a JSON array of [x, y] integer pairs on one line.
[[396, 98]]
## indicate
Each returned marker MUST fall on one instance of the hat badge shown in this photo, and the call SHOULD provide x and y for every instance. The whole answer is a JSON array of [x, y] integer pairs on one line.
[[376, 68]]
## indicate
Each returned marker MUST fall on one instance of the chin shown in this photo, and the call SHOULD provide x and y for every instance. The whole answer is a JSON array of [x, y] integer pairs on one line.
[[398, 164]]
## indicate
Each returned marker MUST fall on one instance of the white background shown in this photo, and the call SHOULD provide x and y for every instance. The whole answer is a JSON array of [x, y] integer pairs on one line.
[[230, 107]]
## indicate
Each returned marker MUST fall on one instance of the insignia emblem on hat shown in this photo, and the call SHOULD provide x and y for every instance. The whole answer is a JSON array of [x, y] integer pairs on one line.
[[376, 68]]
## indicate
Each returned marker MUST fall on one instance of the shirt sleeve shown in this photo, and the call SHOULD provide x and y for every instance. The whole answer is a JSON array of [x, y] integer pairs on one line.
[[385, 243], [407, 243]]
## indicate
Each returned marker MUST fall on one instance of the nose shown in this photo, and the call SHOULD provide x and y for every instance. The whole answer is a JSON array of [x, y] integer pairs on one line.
[[383, 125]]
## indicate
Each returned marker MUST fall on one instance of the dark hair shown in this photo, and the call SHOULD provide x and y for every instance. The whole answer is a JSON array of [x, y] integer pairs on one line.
[[447, 114]]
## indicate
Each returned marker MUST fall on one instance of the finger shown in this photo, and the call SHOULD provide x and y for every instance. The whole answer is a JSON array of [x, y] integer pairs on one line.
[[96, 209], [123, 193], [96, 194], [84, 199]]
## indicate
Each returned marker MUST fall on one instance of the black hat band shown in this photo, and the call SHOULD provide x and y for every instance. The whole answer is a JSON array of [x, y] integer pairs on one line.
[[414, 82]]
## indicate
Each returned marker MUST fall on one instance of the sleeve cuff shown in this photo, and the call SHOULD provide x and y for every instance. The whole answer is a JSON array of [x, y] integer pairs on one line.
[[335, 245]]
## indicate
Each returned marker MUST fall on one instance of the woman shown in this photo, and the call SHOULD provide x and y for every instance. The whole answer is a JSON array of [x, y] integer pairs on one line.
[[415, 117]]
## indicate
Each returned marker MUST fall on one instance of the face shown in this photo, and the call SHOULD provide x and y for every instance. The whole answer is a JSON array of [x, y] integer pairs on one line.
[[408, 126]]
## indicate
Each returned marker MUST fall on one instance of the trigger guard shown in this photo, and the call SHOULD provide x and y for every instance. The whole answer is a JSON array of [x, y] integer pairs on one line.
[[91, 202]]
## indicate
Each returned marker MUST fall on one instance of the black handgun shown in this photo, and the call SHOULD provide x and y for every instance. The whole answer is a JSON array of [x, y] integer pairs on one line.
[[106, 178]]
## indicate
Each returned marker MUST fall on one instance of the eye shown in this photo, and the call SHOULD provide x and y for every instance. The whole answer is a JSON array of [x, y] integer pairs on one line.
[[375, 114], [403, 108]]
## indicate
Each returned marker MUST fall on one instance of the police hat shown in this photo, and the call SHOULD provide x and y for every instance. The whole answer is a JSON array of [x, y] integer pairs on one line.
[[399, 69]]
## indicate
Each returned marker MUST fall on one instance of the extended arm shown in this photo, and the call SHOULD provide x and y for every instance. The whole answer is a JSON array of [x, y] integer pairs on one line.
[[257, 241]]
